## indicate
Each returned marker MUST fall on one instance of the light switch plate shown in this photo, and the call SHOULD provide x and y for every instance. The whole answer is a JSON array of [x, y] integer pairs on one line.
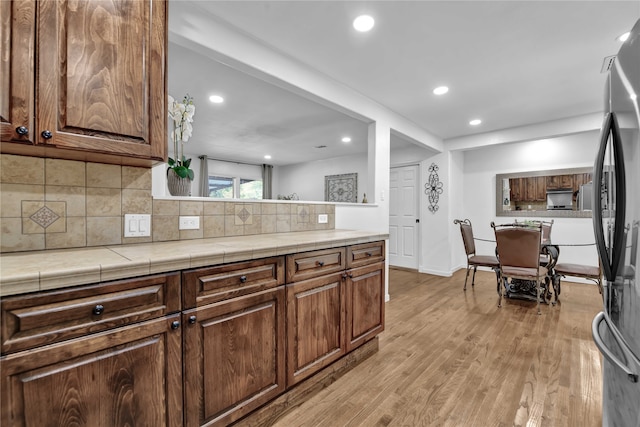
[[323, 218], [189, 223], [137, 225]]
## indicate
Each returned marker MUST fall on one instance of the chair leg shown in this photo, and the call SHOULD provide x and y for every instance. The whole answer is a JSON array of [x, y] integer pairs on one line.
[[465, 279], [500, 291], [473, 279], [538, 294]]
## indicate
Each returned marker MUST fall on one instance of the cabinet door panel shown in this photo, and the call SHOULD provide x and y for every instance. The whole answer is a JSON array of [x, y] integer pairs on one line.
[[234, 357], [129, 376], [17, 90], [316, 325], [101, 76], [365, 304]]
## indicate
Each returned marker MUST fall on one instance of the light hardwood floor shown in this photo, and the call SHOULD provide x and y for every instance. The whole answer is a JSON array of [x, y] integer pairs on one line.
[[452, 358]]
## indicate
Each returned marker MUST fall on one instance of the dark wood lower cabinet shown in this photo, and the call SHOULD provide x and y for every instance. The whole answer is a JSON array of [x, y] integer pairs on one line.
[[124, 377], [315, 325], [124, 354], [365, 304], [234, 357]]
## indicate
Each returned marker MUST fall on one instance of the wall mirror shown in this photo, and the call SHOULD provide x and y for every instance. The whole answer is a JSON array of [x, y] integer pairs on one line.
[[545, 193]]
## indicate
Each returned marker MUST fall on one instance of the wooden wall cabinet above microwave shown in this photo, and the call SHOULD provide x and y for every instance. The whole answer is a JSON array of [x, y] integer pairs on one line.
[[85, 80]]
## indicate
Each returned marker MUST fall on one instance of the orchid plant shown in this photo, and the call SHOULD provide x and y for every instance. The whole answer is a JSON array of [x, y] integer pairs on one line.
[[182, 115]]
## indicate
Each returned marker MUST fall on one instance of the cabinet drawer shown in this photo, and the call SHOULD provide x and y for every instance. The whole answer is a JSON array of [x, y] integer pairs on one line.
[[366, 253], [210, 284], [53, 316], [306, 265]]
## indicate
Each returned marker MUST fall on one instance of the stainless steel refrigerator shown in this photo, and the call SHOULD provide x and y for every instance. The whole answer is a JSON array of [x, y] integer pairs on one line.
[[616, 215]]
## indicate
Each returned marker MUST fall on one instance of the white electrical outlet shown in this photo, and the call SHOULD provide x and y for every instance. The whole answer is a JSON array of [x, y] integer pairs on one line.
[[323, 218], [137, 225], [189, 223]]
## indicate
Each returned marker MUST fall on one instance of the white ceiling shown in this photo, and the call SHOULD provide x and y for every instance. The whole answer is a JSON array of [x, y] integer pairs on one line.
[[509, 63]]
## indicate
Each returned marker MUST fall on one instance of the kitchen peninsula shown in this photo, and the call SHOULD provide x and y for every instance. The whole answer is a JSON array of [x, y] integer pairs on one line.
[[198, 332]]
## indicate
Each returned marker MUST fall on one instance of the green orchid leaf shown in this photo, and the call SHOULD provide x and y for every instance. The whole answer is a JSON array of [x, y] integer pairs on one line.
[[190, 174], [181, 171]]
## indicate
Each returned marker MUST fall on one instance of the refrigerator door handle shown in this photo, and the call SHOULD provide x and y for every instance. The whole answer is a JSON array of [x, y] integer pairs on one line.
[[631, 376], [610, 262]]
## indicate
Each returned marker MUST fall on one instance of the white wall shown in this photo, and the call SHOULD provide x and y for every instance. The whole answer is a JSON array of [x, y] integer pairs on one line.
[[481, 166], [307, 179]]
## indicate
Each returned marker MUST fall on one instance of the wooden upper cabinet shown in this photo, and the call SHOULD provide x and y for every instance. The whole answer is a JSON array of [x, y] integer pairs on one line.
[[580, 179], [17, 75], [100, 80], [515, 186], [558, 182], [535, 189]]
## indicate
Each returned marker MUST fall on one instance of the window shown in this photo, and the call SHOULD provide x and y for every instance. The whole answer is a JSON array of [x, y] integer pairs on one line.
[[221, 187], [250, 189], [229, 180]]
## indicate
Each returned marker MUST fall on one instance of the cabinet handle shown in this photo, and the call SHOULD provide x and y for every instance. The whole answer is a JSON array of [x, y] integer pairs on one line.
[[350, 276], [192, 320], [320, 263], [46, 134], [368, 254], [22, 130], [98, 309], [243, 279], [175, 324]]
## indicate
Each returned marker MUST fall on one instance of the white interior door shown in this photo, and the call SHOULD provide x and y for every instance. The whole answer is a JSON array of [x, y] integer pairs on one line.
[[403, 216]]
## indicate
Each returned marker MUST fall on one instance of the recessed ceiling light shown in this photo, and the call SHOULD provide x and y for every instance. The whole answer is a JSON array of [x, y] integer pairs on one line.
[[633, 96], [346, 139], [441, 90], [475, 122], [216, 99], [267, 156], [363, 23], [624, 37]]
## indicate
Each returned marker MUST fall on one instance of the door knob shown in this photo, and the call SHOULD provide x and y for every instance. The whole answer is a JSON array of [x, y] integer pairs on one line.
[[46, 134], [22, 130]]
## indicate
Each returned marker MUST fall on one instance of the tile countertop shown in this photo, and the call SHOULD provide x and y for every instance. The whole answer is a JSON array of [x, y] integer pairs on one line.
[[22, 272]]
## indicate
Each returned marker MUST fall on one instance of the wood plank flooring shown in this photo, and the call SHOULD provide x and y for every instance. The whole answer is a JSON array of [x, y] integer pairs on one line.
[[453, 358]]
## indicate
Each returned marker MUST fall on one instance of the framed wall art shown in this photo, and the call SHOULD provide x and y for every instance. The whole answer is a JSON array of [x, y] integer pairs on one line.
[[341, 188]]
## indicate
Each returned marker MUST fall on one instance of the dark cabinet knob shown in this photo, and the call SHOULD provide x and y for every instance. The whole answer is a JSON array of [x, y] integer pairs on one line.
[[320, 263], [175, 324], [243, 279], [368, 254], [98, 309], [22, 130], [192, 320], [46, 134]]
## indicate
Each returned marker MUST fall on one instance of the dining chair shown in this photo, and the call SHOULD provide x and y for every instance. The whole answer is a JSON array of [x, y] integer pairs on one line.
[[518, 248], [474, 260], [546, 236]]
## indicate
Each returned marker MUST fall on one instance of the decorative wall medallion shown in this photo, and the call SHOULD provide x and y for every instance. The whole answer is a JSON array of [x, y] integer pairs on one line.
[[303, 214], [244, 214], [433, 188], [341, 188]]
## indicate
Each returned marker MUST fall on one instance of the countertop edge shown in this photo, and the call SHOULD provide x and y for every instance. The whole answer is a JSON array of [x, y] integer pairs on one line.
[[25, 272]]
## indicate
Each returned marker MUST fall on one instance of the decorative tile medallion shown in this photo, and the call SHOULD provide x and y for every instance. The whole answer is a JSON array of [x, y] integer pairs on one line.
[[44, 217], [303, 214], [243, 216]]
